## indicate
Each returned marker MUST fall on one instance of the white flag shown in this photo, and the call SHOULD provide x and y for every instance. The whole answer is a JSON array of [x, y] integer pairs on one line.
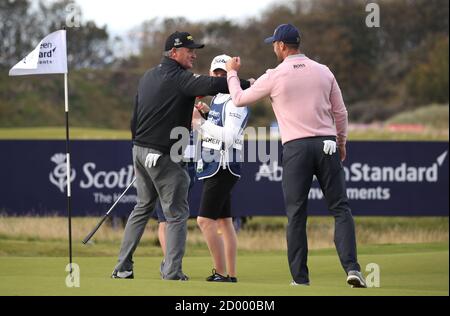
[[49, 57]]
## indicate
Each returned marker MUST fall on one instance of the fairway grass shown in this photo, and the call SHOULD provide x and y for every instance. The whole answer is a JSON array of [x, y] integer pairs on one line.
[[59, 133], [80, 133], [416, 270]]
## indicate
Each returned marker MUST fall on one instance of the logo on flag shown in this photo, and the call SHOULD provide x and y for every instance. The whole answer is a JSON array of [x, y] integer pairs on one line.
[[49, 57]]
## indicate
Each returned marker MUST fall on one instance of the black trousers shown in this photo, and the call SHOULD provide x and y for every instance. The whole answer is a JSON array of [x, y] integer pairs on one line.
[[302, 159]]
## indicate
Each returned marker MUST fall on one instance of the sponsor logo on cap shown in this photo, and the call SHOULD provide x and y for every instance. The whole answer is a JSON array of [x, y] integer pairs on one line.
[[178, 42]]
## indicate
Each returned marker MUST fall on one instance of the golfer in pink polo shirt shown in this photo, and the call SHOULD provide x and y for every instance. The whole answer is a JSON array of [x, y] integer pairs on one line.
[[313, 123]]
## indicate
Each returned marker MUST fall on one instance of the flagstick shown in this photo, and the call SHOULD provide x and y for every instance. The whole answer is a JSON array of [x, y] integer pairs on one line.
[[69, 193], [55, 63]]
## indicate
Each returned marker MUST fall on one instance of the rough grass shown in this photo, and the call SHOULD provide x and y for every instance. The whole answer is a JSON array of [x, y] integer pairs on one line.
[[77, 133], [59, 133], [384, 134], [260, 234], [433, 116]]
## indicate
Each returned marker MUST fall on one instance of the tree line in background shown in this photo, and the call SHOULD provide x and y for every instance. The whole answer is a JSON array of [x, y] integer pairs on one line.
[[399, 66], [24, 23]]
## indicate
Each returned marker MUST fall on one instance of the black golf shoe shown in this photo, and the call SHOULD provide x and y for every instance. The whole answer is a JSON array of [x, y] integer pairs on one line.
[[129, 275], [181, 277], [216, 277]]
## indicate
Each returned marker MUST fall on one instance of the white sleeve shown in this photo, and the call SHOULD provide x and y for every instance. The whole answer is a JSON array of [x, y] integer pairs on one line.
[[234, 120]]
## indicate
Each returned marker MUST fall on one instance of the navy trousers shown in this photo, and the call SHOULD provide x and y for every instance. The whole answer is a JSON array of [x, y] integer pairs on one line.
[[302, 159]]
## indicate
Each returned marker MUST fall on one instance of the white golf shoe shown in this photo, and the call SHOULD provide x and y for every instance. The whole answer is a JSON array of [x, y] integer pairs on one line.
[[356, 279]]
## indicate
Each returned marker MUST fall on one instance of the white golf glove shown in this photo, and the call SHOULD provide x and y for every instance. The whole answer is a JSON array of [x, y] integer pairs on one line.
[[151, 160], [329, 147]]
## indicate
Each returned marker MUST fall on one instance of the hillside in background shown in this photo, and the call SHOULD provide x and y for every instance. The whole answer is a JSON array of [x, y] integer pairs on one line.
[[100, 99], [104, 100], [385, 71]]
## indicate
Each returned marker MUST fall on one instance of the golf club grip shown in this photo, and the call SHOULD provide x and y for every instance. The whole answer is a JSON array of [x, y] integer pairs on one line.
[[92, 233]]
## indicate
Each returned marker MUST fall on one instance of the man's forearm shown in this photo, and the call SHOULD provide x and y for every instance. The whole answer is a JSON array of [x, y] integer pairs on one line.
[[341, 128], [235, 89], [259, 90], [221, 86]]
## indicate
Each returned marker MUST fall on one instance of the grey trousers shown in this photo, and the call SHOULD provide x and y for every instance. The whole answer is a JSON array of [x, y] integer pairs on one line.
[[302, 159], [170, 182]]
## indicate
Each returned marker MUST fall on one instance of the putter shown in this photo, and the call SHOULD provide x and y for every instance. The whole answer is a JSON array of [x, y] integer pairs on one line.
[[92, 233]]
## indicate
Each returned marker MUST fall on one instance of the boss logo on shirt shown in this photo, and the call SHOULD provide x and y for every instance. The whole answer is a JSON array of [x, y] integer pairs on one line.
[[299, 66]]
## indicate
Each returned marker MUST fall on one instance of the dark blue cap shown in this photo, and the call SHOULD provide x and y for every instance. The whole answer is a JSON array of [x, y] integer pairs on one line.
[[286, 33]]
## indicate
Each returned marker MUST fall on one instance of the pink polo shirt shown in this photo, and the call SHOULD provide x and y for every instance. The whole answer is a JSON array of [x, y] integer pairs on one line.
[[305, 95]]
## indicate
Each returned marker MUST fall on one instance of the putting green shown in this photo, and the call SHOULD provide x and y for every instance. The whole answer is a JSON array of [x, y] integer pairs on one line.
[[416, 270]]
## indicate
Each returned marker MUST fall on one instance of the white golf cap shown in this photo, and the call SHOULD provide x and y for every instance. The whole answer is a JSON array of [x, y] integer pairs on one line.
[[219, 62]]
